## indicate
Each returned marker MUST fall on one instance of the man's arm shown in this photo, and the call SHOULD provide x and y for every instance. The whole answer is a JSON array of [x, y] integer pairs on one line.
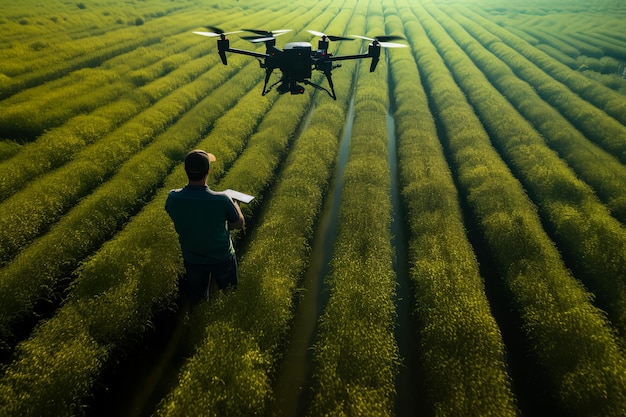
[[240, 222]]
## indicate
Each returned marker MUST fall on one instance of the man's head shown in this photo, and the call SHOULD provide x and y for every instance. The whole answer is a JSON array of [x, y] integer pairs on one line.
[[197, 164]]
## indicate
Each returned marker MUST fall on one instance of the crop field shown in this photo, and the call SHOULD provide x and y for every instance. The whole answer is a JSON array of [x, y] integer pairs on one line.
[[446, 238]]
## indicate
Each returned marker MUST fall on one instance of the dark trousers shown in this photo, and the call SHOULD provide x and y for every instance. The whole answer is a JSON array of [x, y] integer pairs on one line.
[[198, 278]]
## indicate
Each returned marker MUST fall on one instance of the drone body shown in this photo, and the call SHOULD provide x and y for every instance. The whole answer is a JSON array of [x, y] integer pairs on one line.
[[297, 60]]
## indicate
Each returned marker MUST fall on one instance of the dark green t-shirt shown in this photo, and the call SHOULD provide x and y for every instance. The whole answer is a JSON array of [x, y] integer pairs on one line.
[[201, 219]]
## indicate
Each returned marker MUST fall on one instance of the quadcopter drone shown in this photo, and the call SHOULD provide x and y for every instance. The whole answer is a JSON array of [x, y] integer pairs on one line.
[[297, 60]]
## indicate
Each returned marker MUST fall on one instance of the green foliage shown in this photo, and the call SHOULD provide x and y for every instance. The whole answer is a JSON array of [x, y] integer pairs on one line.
[[600, 96], [111, 98], [555, 309], [215, 382], [133, 275], [97, 217], [568, 204], [89, 47], [59, 145], [449, 295], [8, 148], [356, 355], [64, 369], [271, 267]]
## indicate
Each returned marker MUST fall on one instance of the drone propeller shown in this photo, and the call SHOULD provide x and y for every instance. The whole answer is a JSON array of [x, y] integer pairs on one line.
[[256, 39], [383, 40], [329, 37], [264, 35], [215, 32]]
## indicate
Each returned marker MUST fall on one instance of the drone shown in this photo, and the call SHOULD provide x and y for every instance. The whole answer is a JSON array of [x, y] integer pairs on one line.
[[297, 60]]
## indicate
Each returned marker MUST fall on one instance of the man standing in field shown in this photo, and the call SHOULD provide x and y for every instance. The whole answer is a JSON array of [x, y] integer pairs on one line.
[[203, 219]]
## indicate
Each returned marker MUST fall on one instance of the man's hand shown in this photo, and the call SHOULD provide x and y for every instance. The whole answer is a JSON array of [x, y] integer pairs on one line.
[[239, 223]]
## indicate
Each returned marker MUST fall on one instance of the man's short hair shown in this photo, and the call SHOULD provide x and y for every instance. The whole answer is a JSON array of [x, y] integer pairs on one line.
[[197, 164]]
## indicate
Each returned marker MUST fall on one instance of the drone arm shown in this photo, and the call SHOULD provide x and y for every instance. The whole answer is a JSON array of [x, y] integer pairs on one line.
[[245, 52], [345, 57], [372, 52], [223, 46]]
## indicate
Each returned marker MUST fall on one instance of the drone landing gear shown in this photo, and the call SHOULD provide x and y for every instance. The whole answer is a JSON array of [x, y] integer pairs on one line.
[[281, 88], [295, 88], [289, 82], [330, 92]]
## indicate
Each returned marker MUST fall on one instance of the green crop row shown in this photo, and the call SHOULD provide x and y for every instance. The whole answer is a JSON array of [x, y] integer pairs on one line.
[[580, 30], [60, 145], [8, 148], [27, 213], [557, 55], [237, 357], [61, 58], [570, 44], [35, 270], [232, 363], [59, 21], [613, 81], [605, 65], [611, 102], [456, 325], [612, 46], [520, 33], [35, 110], [555, 42], [115, 294], [565, 17], [588, 116], [355, 355], [28, 114], [583, 227], [556, 312], [586, 48]]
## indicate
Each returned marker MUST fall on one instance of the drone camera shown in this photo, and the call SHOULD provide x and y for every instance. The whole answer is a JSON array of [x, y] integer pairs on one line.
[[290, 87]]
